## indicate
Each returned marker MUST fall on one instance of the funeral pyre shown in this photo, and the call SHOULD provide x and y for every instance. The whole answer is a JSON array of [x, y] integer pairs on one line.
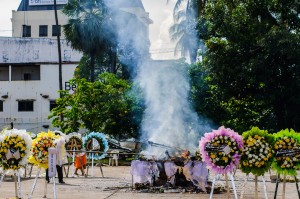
[[179, 172]]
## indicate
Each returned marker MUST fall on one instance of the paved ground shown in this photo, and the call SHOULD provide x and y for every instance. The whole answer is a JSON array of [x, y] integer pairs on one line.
[[117, 184]]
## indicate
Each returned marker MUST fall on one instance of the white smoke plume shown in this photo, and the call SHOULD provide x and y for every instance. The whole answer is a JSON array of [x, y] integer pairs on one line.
[[169, 118]]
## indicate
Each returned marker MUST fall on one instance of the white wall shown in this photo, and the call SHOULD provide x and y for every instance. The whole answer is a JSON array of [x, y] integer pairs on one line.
[[25, 90], [35, 19], [27, 50]]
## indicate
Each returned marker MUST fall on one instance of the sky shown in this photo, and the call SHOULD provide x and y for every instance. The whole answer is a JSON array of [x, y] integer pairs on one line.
[[159, 11]]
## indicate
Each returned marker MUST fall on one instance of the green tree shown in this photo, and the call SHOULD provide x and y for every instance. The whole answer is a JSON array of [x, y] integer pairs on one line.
[[89, 30], [102, 64], [102, 105], [252, 63]]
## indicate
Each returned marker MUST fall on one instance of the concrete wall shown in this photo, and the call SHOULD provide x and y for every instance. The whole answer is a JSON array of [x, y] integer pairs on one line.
[[39, 50], [35, 19]]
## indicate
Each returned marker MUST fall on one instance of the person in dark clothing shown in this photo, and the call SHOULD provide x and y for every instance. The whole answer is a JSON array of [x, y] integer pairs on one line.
[[59, 174]]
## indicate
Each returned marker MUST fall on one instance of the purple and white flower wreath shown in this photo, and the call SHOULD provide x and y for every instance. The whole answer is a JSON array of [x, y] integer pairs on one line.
[[221, 150]]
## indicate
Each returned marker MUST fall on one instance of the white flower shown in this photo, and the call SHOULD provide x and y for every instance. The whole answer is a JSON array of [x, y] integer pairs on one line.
[[250, 155], [261, 150], [294, 159]]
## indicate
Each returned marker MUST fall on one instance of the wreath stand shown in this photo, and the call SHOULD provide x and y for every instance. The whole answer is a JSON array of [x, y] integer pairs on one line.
[[90, 147], [227, 185], [92, 162], [2, 178], [17, 179], [51, 174], [284, 185], [73, 145], [256, 187]]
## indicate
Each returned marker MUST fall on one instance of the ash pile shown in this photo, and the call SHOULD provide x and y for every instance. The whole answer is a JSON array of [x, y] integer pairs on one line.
[[178, 173]]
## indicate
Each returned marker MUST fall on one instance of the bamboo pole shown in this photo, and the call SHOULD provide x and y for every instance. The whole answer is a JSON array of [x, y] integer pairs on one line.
[[34, 183], [297, 187], [265, 187], [45, 189], [19, 185], [227, 186], [16, 185], [256, 188]]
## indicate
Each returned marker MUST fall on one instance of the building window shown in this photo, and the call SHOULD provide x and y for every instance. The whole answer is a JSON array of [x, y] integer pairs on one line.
[[4, 73], [26, 31], [27, 76], [1, 106], [55, 30], [52, 104], [25, 105], [43, 31], [25, 72]]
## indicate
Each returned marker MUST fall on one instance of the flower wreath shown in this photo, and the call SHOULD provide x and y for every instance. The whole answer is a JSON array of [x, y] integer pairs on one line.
[[74, 139], [14, 148], [287, 152], [102, 141], [257, 155], [40, 146], [221, 150]]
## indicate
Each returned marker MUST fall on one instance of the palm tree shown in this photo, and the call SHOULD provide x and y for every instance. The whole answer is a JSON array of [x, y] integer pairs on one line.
[[183, 31], [88, 28], [198, 5]]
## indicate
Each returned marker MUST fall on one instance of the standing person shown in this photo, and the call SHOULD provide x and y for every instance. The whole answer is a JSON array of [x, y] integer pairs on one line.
[[60, 157], [80, 163]]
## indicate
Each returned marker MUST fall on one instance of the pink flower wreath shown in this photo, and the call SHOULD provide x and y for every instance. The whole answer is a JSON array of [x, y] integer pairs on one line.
[[221, 150]]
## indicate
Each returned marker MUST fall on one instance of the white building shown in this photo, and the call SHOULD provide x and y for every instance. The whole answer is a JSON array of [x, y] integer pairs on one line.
[[29, 77], [29, 80]]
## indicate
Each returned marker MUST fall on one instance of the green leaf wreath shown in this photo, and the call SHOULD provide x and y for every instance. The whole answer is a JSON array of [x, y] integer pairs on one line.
[[287, 152], [257, 156]]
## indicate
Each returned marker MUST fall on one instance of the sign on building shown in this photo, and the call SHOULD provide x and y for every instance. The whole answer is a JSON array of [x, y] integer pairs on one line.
[[46, 2]]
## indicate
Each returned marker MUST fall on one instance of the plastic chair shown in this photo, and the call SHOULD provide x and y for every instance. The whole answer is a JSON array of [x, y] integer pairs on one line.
[[114, 157]]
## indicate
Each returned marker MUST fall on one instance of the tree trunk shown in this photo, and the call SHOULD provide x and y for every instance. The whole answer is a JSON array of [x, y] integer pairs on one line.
[[113, 60], [92, 67]]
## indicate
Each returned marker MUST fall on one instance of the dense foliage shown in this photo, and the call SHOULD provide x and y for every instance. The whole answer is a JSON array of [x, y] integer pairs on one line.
[[102, 105], [251, 66]]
